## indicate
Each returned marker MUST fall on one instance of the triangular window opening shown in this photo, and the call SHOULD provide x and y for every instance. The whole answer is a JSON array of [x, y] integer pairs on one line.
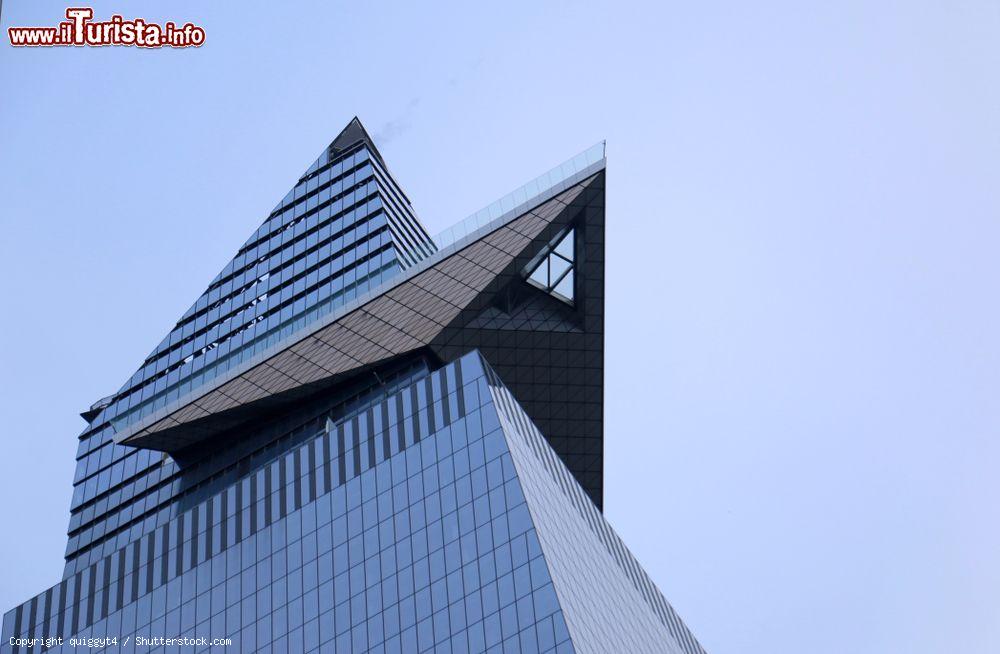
[[555, 273]]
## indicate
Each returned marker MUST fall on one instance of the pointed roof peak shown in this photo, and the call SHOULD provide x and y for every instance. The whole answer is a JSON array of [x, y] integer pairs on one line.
[[350, 136]]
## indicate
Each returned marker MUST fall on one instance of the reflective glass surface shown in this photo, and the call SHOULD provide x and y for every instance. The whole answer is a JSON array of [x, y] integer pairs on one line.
[[400, 529], [403, 503], [524, 196], [554, 273], [343, 230], [436, 520]]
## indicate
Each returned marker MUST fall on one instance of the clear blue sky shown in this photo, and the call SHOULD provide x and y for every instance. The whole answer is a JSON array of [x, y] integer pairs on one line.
[[803, 346]]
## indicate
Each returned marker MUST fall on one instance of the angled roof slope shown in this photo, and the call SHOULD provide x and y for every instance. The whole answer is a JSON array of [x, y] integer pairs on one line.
[[401, 315], [344, 228]]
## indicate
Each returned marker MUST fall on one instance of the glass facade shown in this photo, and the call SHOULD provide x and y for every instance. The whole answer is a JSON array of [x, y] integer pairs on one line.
[[343, 229], [410, 502]]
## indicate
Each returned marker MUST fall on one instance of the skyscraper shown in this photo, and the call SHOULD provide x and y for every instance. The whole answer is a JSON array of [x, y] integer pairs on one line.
[[361, 438]]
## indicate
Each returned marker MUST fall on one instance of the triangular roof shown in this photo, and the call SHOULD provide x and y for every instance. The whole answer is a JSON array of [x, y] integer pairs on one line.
[[338, 232], [350, 136]]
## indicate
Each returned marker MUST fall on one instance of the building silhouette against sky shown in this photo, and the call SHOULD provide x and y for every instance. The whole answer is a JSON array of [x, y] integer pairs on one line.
[[361, 438]]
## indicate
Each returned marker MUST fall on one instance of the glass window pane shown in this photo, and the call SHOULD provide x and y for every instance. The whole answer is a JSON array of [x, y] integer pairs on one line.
[[565, 287]]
